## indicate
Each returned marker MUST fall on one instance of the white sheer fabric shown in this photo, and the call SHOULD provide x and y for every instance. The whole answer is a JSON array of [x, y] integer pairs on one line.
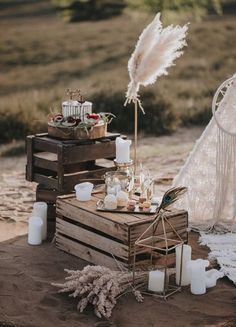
[[210, 171]]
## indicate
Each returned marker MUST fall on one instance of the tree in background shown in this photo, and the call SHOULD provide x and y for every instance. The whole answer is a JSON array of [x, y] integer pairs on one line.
[[74, 10], [192, 8]]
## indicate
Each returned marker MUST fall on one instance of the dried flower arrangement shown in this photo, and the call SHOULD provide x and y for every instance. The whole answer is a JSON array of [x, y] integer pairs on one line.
[[91, 120], [100, 287]]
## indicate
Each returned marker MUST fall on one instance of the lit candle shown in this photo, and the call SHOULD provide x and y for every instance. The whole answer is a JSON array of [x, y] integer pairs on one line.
[[186, 257], [122, 150], [198, 276], [40, 210], [156, 281], [35, 228]]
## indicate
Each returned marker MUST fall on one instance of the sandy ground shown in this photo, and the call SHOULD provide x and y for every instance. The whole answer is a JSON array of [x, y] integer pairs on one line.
[[163, 156], [27, 298]]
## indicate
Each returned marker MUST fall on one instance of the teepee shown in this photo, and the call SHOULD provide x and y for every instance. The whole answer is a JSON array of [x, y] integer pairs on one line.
[[210, 171]]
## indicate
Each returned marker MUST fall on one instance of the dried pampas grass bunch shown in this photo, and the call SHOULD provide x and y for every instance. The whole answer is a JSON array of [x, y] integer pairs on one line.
[[100, 287], [155, 51]]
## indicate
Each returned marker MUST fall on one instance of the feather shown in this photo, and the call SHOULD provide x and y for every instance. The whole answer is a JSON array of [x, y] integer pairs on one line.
[[162, 55], [145, 43], [155, 51], [171, 196]]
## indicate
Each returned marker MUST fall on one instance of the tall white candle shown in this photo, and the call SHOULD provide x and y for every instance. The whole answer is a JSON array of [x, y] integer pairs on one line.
[[35, 228], [122, 150], [40, 210], [156, 281], [198, 276], [186, 257]]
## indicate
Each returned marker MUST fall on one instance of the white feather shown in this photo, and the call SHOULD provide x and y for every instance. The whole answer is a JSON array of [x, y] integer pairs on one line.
[[155, 51], [162, 55], [146, 41]]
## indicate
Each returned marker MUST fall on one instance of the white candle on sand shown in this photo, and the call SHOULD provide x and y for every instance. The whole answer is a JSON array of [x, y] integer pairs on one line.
[[40, 210], [35, 228], [186, 257], [122, 150], [156, 281], [198, 276]]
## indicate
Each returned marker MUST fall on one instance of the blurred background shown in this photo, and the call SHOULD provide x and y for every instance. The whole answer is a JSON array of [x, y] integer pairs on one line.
[[48, 46]]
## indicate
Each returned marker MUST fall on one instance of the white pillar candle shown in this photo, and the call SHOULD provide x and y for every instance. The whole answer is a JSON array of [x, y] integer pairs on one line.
[[186, 257], [156, 280], [198, 276], [40, 210], [35, 228], [122, 150]]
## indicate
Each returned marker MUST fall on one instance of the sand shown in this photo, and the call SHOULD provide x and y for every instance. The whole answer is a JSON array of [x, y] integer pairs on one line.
[[28, 300]]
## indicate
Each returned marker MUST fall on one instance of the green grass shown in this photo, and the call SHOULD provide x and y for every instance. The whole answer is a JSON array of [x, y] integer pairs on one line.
[[41, 56]]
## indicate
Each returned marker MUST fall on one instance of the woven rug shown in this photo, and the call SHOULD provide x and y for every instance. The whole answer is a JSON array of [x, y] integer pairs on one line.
[[223, 250]]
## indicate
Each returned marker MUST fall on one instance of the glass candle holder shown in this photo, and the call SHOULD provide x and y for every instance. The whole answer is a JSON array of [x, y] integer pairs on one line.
[[116, 181]]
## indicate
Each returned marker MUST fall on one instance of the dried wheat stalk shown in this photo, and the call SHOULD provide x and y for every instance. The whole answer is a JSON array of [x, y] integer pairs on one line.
[[100, 286]]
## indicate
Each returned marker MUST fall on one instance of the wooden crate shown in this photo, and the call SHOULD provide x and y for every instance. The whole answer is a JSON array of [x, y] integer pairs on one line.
[[99, 237], [60, 164]]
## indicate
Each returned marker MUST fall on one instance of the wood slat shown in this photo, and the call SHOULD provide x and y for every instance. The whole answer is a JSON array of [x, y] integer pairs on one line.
[[45, 144], [92, 238], [46, 180], [47, 195], [90, 219], [86, 253], [97, 172], [84, 153], [40, 160], [29, 152], [91, 207]]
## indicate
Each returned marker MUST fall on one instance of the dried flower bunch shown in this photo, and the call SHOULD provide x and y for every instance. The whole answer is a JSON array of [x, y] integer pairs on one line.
[[91, 120], [100, 287], [155, 51]]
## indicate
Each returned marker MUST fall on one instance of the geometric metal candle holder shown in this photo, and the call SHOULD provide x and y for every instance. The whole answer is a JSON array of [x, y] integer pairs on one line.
[[159, 242]]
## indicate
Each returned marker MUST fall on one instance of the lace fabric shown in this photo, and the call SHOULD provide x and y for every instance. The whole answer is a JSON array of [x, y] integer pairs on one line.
[[210, 171]]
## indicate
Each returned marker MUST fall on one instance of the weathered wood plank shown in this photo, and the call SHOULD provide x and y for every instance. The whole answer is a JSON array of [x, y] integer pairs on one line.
[[91, 207], [45, 194], [91, 238], [102, 224], [86, 253], [30, 163], [88, 152], [41, 161], [96, 172], [45, 180], [46, 144]]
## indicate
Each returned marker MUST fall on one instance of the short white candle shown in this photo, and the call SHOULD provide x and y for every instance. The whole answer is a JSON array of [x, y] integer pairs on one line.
[[187, 251], [198, 276], [35, 228], [156, 280], [40, 210], [122, 150]]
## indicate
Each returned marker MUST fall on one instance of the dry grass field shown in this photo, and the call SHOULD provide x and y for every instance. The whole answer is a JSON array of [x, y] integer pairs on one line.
[[41, 56]]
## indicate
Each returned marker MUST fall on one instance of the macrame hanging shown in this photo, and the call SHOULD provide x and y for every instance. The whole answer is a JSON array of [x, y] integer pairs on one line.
[[210, 171]]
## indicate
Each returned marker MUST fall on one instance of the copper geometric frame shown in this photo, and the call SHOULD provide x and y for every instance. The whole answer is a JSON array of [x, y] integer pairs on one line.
[[151, 242]]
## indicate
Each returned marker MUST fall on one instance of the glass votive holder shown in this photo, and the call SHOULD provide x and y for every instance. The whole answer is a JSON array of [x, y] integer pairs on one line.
[[83, 191]]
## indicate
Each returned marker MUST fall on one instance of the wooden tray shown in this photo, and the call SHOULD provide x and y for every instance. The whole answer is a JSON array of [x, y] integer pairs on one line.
[[68, 133], [152, 210]]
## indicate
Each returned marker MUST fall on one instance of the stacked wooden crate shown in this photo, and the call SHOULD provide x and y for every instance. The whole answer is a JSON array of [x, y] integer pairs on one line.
[[58, 165], [106, 238]]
